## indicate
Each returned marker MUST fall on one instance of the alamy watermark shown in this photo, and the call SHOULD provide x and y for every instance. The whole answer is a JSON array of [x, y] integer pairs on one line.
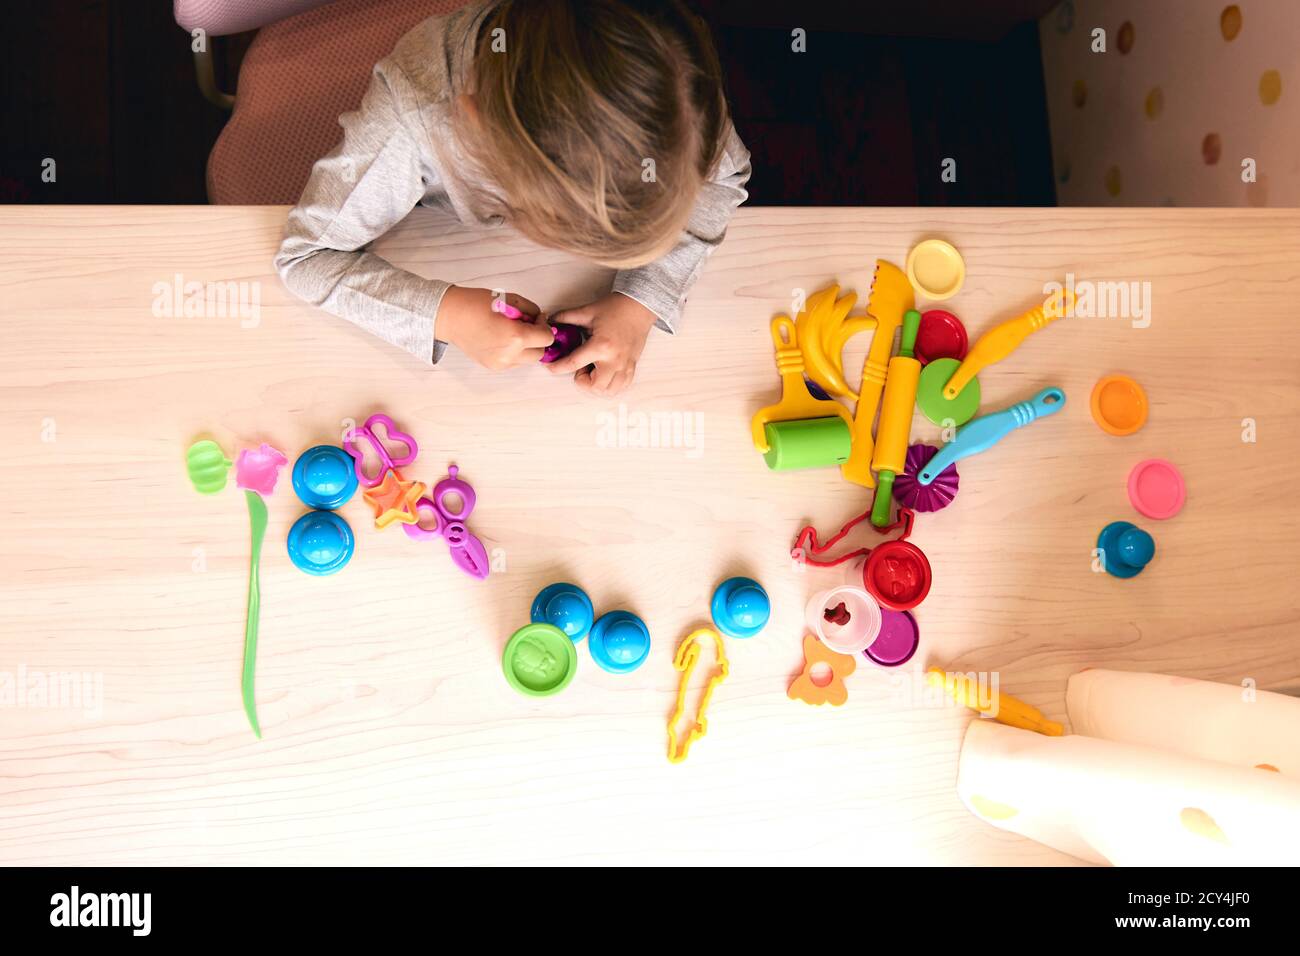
[[651, 429], [1090, 299], [53, 690], [208, 300], [917, 689]]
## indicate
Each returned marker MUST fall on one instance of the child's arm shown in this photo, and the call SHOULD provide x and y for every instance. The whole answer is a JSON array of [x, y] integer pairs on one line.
[[661, 286], [355, 195], [653, 294]]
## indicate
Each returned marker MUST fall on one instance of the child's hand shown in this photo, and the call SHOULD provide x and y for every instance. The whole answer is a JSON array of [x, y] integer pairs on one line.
[[618, 326], [466, 320]]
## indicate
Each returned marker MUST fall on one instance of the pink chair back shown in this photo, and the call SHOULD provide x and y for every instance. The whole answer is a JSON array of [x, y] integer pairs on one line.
[[222, 17], [298, 75]]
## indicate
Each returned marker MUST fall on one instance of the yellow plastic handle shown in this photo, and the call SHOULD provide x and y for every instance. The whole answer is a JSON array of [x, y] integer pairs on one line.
[[1005, 710], [1001, 340]]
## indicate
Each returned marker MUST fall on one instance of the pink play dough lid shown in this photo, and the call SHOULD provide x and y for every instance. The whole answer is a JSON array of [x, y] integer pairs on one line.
[[1156, 488]]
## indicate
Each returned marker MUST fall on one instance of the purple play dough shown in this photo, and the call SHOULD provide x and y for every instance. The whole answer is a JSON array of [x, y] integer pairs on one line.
[[567, 338], [898, 640]]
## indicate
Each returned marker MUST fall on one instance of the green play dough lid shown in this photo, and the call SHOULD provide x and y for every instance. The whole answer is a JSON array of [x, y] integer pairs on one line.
[[539, 660], [940, 410]]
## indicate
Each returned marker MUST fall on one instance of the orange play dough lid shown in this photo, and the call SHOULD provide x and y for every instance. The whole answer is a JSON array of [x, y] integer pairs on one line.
[[1119, 405]]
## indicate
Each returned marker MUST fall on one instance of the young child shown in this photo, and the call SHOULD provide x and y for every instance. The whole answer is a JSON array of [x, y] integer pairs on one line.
[[597, 127]]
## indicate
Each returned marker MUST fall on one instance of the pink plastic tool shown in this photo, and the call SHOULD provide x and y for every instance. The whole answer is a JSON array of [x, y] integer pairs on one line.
[[364, 439], [467, 551], [508, 310]]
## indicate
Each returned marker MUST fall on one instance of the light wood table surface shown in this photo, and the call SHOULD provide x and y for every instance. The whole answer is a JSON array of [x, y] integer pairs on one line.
[[390, 733]]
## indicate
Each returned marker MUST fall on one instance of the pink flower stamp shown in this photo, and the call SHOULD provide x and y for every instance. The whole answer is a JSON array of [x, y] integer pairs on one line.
[[257, 469]]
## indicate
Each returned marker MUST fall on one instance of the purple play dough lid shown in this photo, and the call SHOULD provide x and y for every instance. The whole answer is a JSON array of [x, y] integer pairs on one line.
[[898, 640]]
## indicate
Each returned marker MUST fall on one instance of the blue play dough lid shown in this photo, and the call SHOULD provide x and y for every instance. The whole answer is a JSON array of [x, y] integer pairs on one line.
[[1125, 549], [565, 606], [320, 542], [620, 642], [324, 477], [740, 607]]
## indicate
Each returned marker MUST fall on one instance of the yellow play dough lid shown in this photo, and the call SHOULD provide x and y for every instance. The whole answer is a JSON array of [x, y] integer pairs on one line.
[[935, 269]]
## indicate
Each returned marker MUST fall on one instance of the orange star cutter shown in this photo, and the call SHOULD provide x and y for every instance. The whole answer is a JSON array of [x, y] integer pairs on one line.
[[394, 499]]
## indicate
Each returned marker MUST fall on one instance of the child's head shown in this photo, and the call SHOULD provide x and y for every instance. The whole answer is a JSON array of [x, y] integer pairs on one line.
[[599, 121]]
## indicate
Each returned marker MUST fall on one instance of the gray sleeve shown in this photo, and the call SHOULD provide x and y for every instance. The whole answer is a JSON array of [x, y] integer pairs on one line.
[[661, 286], [355, 195]]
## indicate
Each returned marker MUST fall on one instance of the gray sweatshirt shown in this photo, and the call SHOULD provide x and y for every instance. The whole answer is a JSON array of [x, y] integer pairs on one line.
[[387, 164]]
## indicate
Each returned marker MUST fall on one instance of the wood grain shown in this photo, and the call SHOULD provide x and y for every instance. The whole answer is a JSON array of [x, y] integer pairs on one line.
[[391, 735]]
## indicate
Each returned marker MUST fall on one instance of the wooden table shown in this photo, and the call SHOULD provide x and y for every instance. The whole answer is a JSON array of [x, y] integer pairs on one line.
[[391, 735]]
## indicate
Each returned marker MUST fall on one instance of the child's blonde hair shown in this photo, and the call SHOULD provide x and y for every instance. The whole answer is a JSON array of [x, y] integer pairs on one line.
[[597, 120]]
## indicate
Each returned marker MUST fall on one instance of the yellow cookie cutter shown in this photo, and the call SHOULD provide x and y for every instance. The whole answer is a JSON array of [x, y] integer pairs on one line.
[[688, 652]]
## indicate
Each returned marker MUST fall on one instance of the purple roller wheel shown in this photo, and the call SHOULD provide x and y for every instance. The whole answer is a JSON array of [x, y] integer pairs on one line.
[[910, 493]]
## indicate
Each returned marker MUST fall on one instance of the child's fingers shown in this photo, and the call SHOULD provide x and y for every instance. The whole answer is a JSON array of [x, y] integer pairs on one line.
[[602, 376], [529, 336], [583, 316]]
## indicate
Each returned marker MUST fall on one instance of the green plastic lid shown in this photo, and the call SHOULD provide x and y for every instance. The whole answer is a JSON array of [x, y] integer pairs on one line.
[[940, 410], [539, 660]]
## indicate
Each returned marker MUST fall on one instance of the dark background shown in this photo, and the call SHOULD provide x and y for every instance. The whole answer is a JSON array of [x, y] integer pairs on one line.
[[865, 118]]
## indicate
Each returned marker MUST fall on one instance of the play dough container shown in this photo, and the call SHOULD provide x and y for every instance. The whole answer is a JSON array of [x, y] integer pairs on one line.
[[898, 639], [320, 543], [941, 336], [620, 642], [1156, 488], [897, 574], [740, 607], [846, 619], [567, 607], [324, 477], [1119, 405], [539, 660], [935, 269]]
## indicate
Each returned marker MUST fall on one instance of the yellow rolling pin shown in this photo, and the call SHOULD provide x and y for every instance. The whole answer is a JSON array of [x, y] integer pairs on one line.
[[1005, 710], [1001, 340], [896, 418], [891, 295]]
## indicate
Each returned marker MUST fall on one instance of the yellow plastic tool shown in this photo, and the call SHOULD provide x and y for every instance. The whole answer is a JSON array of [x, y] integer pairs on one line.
[[796, 402], [1001, 340], [891, 296], [688, 653], [824, 327], [1009, 710], [895, 429]]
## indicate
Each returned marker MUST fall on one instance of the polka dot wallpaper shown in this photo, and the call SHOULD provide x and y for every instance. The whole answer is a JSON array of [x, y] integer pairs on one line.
[[1191, 100]]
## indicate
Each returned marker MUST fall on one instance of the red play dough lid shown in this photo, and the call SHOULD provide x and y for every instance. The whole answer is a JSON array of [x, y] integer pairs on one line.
[[941, 336], [898, 575], [1156, 488]]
